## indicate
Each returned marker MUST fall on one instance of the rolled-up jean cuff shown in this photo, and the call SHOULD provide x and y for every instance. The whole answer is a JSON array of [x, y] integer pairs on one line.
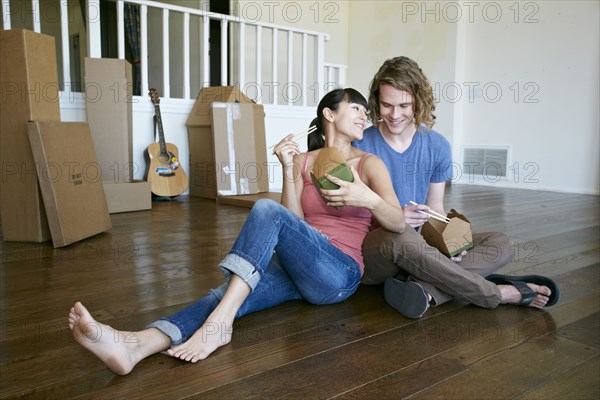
[[168, 329], [233, 263]]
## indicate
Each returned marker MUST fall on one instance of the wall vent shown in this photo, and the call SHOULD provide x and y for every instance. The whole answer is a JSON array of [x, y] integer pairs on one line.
[[485, 162]]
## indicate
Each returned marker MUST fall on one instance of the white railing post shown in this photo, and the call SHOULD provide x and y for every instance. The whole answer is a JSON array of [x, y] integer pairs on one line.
[[258, 56], [186, 55], [205, 48], [242, 55], [290, 70], [304, 69], [64, 35], [121, 29], [274, 64], [6, 19], [35, 7], [94, 33], [166, 67], [319, 63]]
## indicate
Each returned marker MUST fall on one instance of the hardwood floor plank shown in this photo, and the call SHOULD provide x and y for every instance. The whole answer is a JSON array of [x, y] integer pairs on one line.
[[586, 331], [537, 362], [152, 263], [579, 383]]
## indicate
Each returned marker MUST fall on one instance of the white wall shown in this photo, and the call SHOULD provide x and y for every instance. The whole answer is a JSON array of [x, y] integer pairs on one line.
[[546, 52], [548, 72]]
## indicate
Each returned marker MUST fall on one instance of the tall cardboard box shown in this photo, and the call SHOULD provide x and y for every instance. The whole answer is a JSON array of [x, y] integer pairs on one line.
[[202, 168], [70, 180], [240, 148], [109, 114], [109, 93], [28, 91]]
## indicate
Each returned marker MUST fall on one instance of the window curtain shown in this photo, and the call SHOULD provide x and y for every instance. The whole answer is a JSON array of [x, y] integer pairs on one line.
[[132, 28]]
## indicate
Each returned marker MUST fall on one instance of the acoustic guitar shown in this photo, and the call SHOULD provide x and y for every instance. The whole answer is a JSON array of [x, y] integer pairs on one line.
[[165, 174]]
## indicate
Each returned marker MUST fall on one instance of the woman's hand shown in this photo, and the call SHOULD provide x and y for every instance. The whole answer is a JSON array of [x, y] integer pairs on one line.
[[286, 149], [355, 194]]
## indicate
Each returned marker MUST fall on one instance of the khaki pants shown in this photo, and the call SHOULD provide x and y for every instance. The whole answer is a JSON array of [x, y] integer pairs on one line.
[[406, 256]]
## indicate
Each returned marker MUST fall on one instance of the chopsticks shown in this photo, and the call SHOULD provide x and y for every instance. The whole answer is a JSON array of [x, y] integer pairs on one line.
[[432, 214], [299, 135]]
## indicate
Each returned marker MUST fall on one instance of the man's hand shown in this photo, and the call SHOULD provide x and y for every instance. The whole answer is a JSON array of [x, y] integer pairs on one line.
[[458, 258], [413, 217]]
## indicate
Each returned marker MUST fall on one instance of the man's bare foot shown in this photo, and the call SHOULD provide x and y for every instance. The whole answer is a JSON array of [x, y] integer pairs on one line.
[[119, 350], [510, 295], [204, 341]]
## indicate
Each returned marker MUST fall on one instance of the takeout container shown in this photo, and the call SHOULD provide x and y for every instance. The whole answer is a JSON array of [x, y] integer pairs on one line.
[[449, 238], [330, 161]]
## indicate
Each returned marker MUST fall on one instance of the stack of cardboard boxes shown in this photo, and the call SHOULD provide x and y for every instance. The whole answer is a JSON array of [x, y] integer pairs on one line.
[[51, 185], [56, 175]]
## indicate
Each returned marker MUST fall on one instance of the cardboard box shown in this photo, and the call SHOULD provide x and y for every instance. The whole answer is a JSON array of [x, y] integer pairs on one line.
[[70, 180], [108, 97], [451, 238], [127, 196], [240, 148], [29, 90], [202, 169]]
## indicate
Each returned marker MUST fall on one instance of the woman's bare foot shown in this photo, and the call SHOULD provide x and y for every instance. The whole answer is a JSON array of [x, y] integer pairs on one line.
[[218, 327], [510, 295], [119, 350], [213, 334]]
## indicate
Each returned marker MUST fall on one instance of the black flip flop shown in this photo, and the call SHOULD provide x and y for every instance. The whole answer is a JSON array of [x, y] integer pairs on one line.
[[528, 294], [408, 298]]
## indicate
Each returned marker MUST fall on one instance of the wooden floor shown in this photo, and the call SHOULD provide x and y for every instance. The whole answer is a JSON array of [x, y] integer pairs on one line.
[[152, 263]]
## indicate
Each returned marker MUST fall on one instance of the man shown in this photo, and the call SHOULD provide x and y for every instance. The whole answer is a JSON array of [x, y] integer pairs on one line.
[[417, 275]]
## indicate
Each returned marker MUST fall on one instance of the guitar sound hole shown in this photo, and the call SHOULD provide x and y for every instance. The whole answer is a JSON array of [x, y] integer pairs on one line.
[[164, 158]]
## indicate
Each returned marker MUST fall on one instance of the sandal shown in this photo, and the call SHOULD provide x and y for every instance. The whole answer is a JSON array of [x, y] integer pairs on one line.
[[528, 294]]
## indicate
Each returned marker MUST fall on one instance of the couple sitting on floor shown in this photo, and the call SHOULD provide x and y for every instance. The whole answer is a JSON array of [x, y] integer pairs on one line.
[[316, 243]]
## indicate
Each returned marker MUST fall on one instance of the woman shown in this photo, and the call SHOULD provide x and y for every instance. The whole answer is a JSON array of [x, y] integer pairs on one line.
[[300, 249]]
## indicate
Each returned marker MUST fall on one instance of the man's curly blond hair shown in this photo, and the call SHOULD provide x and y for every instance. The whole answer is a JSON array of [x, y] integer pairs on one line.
[[404, 74]]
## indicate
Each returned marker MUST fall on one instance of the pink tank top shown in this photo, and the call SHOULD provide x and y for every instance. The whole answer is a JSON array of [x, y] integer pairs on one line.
[[345, 228]]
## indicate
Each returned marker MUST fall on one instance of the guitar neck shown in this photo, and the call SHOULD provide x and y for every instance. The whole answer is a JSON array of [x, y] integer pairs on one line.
[[161, 133]]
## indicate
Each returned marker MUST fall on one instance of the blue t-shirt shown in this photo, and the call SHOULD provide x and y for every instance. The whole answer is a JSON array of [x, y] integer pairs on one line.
[[427, 160]]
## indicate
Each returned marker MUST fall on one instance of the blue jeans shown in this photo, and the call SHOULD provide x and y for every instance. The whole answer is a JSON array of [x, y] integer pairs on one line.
[[281, 258]]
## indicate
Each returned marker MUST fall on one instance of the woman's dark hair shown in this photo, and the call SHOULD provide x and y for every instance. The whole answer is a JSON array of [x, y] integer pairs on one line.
[[332, 101]]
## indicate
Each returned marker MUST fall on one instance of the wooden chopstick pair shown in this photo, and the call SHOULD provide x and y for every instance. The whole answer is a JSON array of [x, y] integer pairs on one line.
[[432, 214], [300, 135]]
